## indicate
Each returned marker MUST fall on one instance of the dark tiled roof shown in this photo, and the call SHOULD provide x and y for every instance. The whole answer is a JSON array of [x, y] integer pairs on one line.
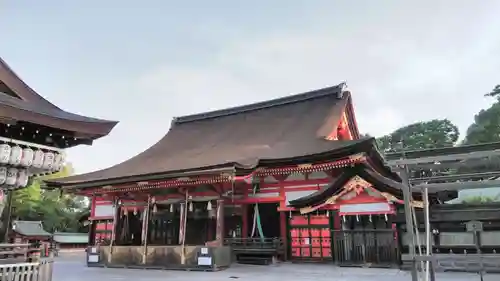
[[383, 183], [29, 106], [241, 137], [30, 228], [71, 238]]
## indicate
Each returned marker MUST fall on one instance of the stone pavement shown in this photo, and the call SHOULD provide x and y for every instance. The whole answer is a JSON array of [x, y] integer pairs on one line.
[[72, 268]]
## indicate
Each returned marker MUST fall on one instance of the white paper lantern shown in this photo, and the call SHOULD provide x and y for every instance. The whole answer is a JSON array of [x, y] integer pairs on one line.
[[27, 159], [63, 158], [11, 176], [48, 160], [38, 159], [57, 162], [3, 175], [22, 178], [4, 153], [16, 153]]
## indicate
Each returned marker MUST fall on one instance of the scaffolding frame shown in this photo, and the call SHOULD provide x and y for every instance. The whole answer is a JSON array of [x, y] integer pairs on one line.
[[437, 158]]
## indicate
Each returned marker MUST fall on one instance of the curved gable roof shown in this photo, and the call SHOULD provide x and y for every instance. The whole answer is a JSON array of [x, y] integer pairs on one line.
[[388, 183], [28, 106], [240, 137]]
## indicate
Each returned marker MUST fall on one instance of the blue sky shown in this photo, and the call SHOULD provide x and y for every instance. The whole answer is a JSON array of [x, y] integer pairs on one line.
[[144, 62]]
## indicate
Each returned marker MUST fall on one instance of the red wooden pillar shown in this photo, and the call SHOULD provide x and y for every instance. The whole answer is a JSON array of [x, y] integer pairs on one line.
[[283, 230], [337, 224], [93, 224], [283, 215], [219, 229], [244, 221], [92, 206], [209, 229]]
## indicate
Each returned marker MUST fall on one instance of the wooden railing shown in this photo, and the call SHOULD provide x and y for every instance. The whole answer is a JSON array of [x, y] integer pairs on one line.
[[21, 262], [37, 271], [256, 250], [256, 244], [15, 253]]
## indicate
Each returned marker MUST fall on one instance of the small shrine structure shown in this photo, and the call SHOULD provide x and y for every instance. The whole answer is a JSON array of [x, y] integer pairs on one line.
[[70, 240]]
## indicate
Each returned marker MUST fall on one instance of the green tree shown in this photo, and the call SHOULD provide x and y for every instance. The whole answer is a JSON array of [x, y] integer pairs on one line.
[[58, 212], [476, 200], [486, 126], [420, 135], [494, 93], [485, 129]]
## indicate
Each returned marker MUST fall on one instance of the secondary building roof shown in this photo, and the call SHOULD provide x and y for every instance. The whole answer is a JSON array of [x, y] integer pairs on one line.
[[71, 238], [242, 137], [30, 228]]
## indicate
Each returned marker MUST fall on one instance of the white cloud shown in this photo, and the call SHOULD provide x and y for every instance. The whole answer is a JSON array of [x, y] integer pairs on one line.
[[401, 68], [392, 85]]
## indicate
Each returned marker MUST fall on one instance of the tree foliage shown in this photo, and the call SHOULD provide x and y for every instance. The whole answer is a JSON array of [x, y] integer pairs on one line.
[[420, 135], [486, 126], [495, 92], [58, 212], [443, 133], [476, 200]]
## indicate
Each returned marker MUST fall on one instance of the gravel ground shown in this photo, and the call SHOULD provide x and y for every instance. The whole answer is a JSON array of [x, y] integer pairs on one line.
[[71, 267]]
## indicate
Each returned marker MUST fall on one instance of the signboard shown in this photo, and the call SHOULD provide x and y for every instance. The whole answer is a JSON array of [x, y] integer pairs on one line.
[[93, 258], [204, 260], [366, 208], [474, 226]]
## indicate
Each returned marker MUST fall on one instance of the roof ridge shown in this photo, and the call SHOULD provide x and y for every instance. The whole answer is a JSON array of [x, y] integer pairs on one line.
[[32, 94], [22, 221], [338, 89]]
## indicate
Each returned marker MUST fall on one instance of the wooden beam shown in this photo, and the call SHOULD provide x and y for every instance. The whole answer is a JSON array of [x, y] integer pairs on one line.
[[457, 177], [216, 188], [145, 226], [434, 187], [182, 230], [113, 230], [219, 230], [443, 158]]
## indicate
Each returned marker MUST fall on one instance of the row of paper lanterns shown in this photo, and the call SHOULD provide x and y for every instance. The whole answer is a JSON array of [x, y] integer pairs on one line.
[[14, 177], [27, 157]]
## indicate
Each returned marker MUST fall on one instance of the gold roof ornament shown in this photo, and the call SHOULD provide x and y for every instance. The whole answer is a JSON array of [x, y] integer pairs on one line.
[[389, 197], [417, 204], [360, 157]]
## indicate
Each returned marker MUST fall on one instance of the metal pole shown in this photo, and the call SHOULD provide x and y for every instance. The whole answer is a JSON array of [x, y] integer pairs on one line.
[[428, 251], [409, 220]]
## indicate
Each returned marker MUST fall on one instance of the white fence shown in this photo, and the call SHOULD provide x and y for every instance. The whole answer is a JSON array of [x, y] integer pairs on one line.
[[37, 271]]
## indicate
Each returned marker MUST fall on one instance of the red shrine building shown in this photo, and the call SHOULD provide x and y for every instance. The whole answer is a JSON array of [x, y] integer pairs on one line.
[[292, 173]]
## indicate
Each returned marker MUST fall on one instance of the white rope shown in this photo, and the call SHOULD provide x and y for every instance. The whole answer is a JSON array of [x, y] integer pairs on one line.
[[254, 222], [255, 213]]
